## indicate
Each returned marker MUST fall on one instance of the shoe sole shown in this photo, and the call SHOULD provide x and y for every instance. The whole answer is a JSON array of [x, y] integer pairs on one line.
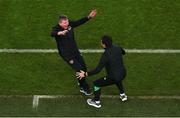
[[94, 105], [123, 100], [81, 91]]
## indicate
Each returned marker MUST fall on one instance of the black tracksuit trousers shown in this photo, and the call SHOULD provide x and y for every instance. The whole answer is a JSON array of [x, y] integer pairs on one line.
[[104, 81], [77, 63]]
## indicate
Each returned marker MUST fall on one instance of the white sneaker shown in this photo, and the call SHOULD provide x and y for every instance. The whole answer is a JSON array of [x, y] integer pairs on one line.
[[123, 97], [93, 103]]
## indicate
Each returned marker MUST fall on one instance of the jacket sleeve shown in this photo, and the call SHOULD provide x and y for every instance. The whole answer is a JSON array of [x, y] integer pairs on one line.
[[102, 63], [54, 31], [79, 22]]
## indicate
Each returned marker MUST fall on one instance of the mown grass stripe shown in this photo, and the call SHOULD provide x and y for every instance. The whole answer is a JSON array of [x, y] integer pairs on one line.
[[80, 96]]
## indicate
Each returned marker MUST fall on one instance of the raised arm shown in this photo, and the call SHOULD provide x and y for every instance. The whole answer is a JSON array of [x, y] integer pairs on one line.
[[83, 20]]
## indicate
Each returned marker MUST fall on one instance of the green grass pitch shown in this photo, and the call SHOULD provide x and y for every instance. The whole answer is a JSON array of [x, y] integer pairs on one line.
[[141, 24]]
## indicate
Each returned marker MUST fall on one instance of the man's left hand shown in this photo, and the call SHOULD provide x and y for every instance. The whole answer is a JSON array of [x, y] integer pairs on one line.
[[92, 13], [80, 74]]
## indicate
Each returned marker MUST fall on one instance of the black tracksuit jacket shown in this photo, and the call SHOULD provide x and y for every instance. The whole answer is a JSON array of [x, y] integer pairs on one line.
[[66, 44], [112, 60]]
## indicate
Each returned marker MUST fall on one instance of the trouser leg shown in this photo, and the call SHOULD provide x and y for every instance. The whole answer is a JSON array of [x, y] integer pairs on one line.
[[97, 84]]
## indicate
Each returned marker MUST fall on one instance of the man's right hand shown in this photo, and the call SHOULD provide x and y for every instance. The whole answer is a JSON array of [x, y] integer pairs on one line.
[[63, 32]]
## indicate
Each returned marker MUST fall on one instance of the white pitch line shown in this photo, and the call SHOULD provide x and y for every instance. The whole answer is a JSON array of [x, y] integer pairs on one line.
[[89, 50], [35, 101], [36, 98]]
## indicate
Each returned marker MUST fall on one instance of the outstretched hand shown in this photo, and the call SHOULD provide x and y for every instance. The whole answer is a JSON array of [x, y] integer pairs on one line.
[[92, 13], [80, 74]]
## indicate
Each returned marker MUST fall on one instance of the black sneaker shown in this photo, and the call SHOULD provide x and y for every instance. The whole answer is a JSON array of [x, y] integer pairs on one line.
[[94, 103], [87, 93]]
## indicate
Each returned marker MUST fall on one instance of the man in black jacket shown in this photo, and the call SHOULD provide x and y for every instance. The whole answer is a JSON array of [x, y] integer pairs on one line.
[[67, 47], [112, 60]]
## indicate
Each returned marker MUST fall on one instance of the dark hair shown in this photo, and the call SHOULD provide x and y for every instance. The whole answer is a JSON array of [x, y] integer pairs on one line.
[[63, 17], [107, 40]]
